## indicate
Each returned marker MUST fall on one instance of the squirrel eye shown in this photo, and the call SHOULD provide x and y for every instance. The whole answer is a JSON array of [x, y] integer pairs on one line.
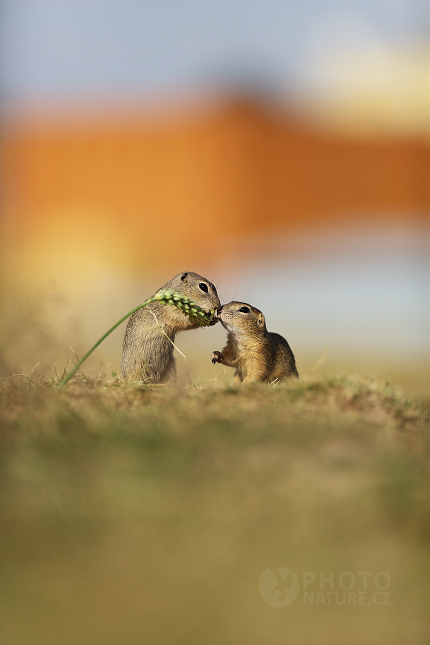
[[204, 287], [245, 310]]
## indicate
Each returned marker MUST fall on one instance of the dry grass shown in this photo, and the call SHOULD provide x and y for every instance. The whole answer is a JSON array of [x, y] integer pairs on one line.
[[147, 514]]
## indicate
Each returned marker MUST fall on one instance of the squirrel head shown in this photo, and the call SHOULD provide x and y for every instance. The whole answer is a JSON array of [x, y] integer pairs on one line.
[[241, 318], [196, 287]]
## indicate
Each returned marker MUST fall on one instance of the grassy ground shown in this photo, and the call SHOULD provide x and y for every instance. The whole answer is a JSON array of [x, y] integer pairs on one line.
[[133, 514]]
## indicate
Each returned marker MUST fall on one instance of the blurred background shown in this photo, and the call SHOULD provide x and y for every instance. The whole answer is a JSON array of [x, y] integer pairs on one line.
[[280, 149]]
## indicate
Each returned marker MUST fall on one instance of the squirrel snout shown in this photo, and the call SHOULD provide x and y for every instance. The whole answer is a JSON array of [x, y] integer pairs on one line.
[[219, 310]]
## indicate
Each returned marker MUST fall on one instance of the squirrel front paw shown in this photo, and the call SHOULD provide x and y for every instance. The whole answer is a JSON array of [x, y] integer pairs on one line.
[[217, 357]]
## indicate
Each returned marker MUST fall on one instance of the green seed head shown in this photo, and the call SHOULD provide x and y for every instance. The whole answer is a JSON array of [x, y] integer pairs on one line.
[[190, 308]]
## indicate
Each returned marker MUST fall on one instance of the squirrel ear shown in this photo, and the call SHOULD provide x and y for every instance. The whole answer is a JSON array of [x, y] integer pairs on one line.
[[184, 276], [260, 320]]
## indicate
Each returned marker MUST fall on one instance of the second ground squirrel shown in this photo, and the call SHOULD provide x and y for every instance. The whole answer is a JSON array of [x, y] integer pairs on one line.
[[257, 355]]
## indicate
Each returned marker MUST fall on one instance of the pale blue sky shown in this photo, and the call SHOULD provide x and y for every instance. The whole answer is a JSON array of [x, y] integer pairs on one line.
[[54, 48]]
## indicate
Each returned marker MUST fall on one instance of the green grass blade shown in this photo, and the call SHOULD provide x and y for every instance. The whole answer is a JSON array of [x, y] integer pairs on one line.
[[166, 297], [90, 351]]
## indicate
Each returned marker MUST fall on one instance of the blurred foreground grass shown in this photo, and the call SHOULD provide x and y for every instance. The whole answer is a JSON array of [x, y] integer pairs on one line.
[[134, 514]]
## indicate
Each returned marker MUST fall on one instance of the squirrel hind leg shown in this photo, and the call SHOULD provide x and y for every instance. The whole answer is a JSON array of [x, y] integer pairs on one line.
[[283, 373]]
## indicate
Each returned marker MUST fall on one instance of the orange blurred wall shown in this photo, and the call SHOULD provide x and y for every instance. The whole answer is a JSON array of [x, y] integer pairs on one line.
[[151, 187]]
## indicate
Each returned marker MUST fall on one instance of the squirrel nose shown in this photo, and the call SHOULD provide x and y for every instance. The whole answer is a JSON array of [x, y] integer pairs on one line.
[[220, 309]]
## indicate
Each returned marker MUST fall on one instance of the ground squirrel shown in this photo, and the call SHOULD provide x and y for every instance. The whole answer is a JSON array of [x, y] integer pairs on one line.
[[257, 354], [147, 352]]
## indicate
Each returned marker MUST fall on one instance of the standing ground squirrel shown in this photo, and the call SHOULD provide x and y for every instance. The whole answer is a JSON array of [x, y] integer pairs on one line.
[[257, 355], [147, 352]]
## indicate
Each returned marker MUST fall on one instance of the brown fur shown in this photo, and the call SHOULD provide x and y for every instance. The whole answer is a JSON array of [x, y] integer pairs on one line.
[[147, 352], [257, 355]]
